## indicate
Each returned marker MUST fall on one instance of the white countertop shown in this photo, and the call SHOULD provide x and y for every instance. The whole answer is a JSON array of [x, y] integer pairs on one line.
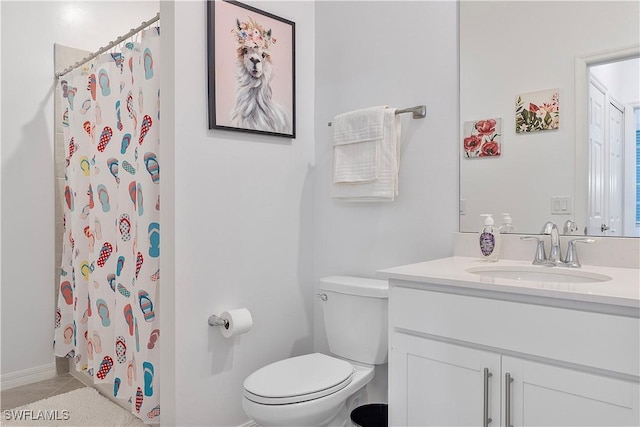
[[622, 290]]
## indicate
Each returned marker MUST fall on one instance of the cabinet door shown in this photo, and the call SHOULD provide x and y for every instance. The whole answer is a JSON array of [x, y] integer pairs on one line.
[[438, 384], [545, 395]]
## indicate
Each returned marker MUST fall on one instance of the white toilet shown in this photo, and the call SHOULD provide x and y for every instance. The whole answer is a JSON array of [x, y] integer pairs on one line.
[[320, 390]]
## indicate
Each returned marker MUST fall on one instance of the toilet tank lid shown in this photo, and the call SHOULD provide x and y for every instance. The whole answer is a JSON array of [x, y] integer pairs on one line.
[[353, 285]]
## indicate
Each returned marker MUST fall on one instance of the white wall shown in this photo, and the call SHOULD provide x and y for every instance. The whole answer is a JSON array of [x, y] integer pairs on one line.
[[514, 47], [399, 54], [29, 30], [242, 229]]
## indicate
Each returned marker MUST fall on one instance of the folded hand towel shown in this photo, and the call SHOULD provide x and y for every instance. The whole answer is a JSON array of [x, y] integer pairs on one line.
[[358, 125], [358, 162], [356, 137], [385, 185]]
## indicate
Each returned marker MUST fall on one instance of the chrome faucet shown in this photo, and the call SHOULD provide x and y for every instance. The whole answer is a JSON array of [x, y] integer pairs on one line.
[[555, 255]]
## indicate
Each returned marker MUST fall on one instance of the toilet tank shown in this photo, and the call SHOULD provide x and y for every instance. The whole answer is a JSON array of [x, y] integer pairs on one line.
[[355, 317]]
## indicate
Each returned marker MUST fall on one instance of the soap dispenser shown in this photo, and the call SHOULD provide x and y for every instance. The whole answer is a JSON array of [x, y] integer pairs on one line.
[[489, 240], [507, 224]]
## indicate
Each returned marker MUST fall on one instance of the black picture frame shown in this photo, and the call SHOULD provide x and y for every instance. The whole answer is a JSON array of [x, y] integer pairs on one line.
[[251, 70]]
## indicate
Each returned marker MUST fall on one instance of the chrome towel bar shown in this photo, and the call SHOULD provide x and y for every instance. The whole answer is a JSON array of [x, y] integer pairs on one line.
[[419, 112]]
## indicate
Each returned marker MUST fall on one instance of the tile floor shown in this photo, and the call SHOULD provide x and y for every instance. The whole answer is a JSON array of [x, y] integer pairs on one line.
[[30, 393]]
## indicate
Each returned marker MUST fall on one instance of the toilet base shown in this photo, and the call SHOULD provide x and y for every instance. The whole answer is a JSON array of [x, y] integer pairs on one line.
[[343, 418]]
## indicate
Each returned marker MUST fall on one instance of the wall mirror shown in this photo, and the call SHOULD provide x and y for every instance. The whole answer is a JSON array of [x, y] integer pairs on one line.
[[554, 174]]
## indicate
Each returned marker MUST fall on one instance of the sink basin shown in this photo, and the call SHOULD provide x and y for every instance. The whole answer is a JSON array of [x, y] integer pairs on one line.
[[537, 274]]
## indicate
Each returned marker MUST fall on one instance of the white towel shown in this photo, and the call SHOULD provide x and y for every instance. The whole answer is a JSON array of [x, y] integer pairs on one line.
[[358, 125], [385, 186], [356, 137]]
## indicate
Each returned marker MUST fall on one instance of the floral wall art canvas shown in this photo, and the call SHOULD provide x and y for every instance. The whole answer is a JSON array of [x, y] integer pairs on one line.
[[538, 111], [482, 138]]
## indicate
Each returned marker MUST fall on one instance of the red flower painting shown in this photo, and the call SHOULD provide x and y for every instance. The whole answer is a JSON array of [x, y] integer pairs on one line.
[[482, 138]]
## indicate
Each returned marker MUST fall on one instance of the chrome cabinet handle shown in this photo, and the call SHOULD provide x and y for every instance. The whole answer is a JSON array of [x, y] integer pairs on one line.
[[604, 227], [507, 400], [323, 297], [485, 410]]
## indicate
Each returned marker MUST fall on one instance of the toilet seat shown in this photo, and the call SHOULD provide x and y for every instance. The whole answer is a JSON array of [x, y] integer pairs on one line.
[[298, 379]]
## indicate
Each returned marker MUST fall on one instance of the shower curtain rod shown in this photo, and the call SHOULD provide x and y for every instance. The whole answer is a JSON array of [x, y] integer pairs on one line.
[[117, 41]]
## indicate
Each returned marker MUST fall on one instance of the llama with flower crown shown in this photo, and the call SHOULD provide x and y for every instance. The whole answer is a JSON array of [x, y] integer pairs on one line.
[[255, 108]]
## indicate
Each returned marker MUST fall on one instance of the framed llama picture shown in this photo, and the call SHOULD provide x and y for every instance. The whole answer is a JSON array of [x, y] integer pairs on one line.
[[251, 65]]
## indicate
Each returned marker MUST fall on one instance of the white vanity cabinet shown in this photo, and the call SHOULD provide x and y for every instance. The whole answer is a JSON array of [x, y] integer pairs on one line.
[[440, 384], [547, 395], [452, 351]]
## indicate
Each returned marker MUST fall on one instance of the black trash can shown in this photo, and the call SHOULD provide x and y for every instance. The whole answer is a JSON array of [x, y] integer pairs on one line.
[[371, 415]]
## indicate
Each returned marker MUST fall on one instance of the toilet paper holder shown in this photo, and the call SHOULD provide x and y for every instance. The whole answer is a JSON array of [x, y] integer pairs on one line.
[[233, 322], [218, 321]]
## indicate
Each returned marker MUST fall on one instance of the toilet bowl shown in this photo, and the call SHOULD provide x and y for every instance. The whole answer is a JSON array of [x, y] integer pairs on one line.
[[311, 390], [321, 390]]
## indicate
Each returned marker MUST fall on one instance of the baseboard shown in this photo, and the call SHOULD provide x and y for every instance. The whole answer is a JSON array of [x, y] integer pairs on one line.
[[28, 376]]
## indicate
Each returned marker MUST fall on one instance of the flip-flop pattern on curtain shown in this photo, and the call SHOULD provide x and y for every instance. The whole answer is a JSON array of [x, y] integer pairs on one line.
[[107, 310]]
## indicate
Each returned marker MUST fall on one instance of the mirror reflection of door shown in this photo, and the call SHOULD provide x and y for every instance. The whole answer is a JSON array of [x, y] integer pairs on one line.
[[613, 183], [597, 155], [616, 167]]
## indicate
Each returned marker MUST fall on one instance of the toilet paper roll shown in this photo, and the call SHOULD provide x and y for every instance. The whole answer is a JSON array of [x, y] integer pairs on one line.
[[240, 321]]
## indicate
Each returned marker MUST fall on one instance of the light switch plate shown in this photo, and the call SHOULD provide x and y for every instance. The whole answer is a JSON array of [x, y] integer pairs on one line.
[[561, 205]]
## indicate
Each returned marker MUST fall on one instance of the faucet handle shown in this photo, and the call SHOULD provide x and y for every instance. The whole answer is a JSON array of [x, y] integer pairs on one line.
[[572, 255], [569, 227], [541, 255]]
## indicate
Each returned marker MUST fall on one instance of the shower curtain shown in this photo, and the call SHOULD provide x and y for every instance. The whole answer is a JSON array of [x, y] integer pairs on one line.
[[107, 314]]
